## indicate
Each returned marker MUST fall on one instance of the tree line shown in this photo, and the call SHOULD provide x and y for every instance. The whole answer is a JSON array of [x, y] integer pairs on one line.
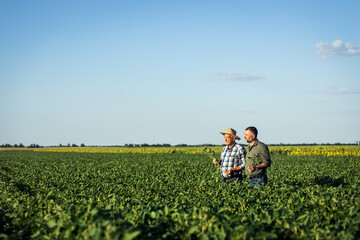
[[83, 145]]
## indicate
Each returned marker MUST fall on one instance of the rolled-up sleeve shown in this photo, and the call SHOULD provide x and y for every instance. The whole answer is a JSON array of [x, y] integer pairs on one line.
[[265, 155]]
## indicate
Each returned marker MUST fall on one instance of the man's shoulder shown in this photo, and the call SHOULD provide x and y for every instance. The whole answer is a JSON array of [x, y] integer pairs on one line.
[[257, 143], [261, 147], [239, 146], [261, 144]]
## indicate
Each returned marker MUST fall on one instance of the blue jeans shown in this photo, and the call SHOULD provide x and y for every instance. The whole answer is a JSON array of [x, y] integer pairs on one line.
[[258, 182], [238, 178]]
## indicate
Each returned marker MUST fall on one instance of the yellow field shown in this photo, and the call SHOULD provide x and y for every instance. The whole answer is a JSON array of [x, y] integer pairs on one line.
[[350, 150]]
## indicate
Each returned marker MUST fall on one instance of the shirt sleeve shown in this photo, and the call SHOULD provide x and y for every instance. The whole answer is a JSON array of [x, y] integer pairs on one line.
[[222, 156], [242, 156], [265, 155]]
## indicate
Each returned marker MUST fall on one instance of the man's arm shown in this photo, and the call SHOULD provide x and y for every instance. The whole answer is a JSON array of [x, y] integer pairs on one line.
[[217, 162], [242, 158], [256, 167]]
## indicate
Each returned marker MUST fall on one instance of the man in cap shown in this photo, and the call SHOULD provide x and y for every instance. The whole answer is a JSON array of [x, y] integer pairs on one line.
[[232, 158], [257, 159]]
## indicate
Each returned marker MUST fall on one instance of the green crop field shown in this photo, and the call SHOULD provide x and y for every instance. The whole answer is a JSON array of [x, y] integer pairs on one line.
[[75, 195]]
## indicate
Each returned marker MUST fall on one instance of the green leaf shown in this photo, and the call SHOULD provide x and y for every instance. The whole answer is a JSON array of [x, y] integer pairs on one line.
[[131, 235], [51, 223]]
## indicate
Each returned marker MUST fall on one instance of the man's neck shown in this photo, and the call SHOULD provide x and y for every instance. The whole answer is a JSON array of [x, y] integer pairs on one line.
[[252, 143], [230, 146]]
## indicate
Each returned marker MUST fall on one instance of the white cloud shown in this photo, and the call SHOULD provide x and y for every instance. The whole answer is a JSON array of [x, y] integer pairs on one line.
[[343, 90], [233, 76], [336, 48]]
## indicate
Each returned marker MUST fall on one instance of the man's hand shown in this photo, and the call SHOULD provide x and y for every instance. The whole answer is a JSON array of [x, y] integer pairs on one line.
[[216, 162], [257, 167], [229, 171], [251, 169]]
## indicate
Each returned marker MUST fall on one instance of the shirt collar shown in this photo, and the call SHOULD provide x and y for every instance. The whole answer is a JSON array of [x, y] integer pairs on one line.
[[255, 143], [229, 148]]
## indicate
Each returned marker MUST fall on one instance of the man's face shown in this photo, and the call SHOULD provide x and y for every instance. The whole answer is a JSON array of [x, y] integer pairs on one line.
[[229, 139], [249, 136]]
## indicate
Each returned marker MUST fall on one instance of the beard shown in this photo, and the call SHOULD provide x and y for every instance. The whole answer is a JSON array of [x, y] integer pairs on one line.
[[249, 140]]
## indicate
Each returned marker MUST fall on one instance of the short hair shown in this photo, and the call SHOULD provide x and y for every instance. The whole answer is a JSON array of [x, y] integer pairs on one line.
[[253, 130]]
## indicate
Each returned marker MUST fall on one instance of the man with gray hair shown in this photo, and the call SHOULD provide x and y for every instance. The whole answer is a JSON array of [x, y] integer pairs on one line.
[[232, 158]]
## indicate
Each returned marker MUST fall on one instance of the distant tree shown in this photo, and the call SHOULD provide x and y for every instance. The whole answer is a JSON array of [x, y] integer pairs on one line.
[[207, 145], [74, 145], [182, 145], [82, 145], [6, 145], [21, 145]]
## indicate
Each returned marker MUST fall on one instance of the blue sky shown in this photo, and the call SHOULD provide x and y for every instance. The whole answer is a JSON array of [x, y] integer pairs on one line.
[[117, 72]]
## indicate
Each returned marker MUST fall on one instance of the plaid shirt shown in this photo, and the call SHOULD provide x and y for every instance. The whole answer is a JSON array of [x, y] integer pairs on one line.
[[232, 157]]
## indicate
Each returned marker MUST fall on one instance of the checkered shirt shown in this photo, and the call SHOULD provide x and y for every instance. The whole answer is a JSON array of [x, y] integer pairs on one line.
[[233, 156]]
